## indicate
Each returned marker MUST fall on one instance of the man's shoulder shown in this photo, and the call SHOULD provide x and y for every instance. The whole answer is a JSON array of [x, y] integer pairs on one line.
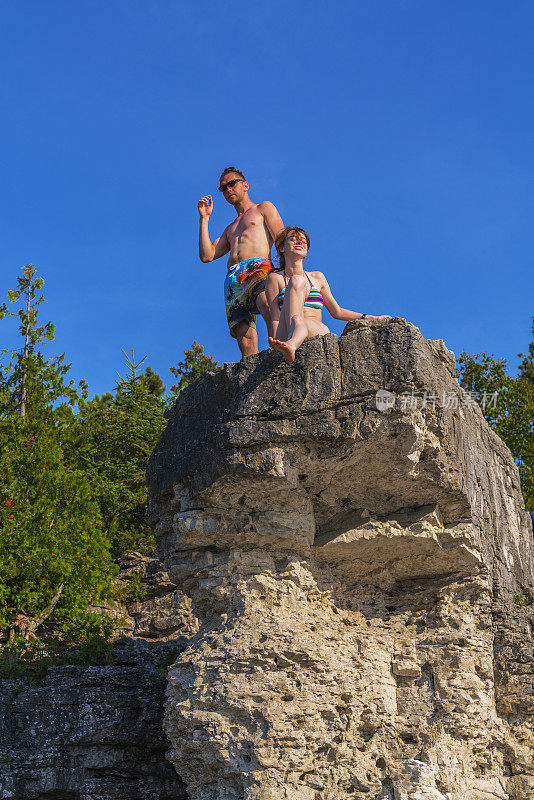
[[265, 206]]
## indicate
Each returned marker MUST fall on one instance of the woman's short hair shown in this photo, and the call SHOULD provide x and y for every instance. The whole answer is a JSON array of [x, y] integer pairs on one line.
[[282, 236]]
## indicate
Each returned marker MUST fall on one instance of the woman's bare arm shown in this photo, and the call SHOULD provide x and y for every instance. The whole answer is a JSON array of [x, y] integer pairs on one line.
[[333, 307], [272, 290]]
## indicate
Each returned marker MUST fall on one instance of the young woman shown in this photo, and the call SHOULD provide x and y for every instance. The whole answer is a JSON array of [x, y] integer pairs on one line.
[[296, 298]]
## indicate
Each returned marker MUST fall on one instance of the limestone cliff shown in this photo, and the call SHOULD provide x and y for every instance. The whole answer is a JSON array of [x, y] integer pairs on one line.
[[86, 733], [95, 732], [352, 570]]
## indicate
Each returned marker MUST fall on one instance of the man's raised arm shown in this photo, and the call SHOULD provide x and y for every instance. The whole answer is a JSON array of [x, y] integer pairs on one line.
[[272, 218], [207, 249]]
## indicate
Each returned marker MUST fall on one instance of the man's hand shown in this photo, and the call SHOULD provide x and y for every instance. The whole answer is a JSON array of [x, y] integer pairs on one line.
[[207, 249], [205, 206]]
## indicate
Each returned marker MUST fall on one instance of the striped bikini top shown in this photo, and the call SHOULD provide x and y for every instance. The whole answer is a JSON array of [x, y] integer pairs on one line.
[[314, 299]]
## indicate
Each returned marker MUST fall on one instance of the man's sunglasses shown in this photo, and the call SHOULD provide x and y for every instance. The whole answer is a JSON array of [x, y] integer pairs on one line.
[[230, 185]]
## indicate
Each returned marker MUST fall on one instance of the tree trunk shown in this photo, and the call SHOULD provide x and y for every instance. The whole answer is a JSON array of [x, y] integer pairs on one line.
[[30, 628]]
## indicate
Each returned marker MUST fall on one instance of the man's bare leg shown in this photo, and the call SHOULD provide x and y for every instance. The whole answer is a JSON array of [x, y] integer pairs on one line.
[[292, 319], [247, 339]]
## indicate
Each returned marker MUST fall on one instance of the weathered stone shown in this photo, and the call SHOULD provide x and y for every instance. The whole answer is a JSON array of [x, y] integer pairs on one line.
[[352, 568], [406, 669], [152, 576], [86, 733], [164, 613], [95, 733]]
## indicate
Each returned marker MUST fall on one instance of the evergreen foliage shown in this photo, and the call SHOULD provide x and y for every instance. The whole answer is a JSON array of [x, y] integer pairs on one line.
[[54, 554], [114, 436], [72, 488], [511, 415], [195, 363], [526, 368]]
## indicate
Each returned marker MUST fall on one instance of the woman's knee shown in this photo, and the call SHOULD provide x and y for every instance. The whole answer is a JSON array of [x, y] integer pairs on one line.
[[297, 319]]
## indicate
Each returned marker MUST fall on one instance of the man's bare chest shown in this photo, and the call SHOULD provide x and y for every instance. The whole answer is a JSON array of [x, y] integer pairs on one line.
[[250, 224]]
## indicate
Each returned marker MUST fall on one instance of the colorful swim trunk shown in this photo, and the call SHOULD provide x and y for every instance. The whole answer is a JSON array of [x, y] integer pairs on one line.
[[243, 283]]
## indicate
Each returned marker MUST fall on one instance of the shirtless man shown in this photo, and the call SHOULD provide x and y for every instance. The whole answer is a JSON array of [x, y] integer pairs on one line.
[[248, 239]]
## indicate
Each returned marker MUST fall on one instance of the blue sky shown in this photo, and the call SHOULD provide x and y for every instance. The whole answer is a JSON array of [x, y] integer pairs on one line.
[[397, 132]]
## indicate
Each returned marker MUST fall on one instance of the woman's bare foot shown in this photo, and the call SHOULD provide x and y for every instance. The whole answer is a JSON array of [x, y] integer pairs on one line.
[[287, 351]]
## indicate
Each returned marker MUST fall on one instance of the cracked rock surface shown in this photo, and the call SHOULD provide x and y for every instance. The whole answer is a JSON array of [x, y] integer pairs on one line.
[[95, 732], [361, 578], [87, 733]]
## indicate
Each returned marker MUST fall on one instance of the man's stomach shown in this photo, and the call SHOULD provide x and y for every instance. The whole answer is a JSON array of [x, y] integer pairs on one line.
[[244, 253]]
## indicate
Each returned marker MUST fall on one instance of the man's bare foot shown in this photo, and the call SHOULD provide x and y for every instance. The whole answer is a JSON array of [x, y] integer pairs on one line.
[[283, 347]]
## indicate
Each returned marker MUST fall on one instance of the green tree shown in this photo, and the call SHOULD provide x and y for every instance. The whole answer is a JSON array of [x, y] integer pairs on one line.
[[114, 437], [526, 368], [508, 405], [153, 382], [195, 363], [54, 555]]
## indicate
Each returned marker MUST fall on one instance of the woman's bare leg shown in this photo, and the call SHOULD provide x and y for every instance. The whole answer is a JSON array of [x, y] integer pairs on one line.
[[292, 319]]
